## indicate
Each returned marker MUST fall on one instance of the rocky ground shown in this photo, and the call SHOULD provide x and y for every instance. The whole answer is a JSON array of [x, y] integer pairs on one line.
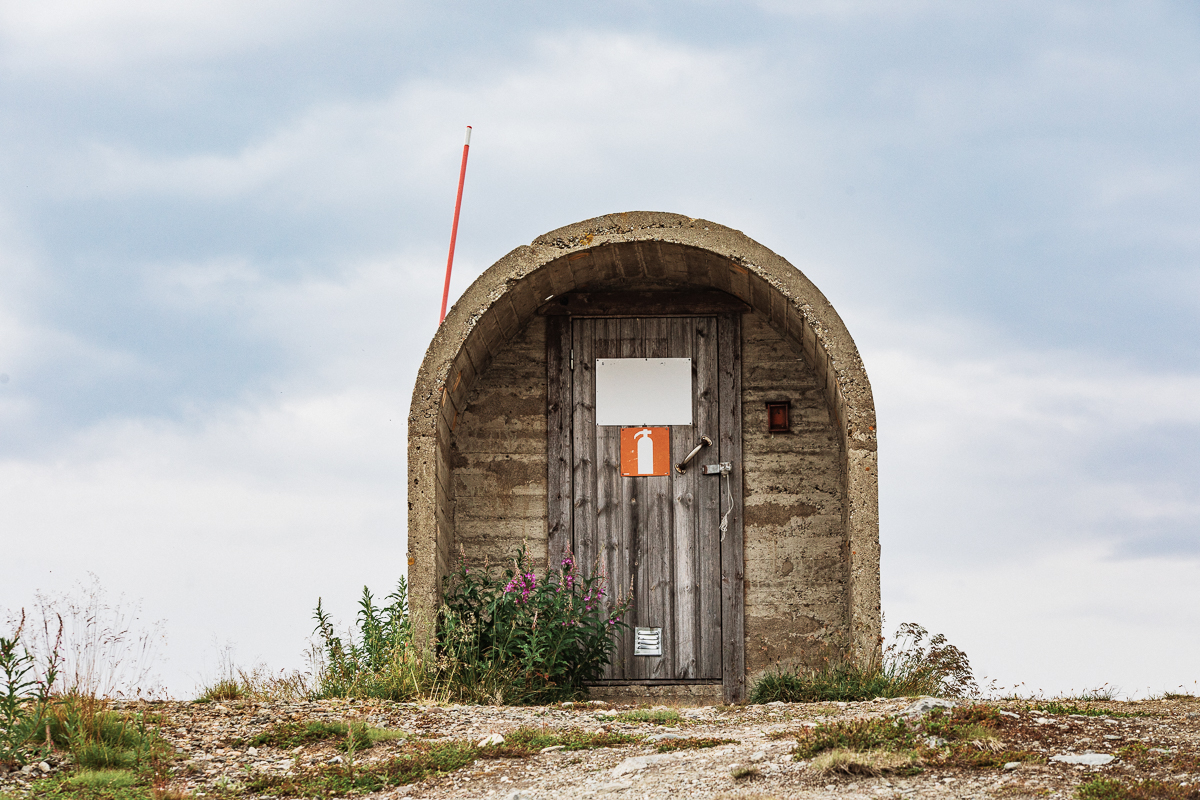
[[1153, 739]]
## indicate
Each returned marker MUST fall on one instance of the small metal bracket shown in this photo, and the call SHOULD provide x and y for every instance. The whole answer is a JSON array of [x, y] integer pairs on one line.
[[724, 468]]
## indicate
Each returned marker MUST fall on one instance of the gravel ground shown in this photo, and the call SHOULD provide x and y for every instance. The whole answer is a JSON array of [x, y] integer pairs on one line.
[[1160, 740]]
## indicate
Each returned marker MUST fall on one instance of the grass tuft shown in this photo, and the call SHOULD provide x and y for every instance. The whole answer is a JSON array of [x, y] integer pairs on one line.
[[353, 736], [693, 743], [1070, 707], [870, 762], [223, 690], [911, 665], [889, 733], [102, 779], [418, 761], [1110, 789], [525, 742], [655, 716]]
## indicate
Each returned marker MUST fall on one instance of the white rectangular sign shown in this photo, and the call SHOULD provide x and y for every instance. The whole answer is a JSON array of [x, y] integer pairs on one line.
[[643, 391]]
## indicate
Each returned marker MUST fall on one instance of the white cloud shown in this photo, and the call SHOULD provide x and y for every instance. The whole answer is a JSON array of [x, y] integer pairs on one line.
[[1001, 451], [96, 38], [567, 111]]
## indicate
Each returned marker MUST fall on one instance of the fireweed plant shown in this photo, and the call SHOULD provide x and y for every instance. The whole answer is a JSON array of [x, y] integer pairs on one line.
[[538, 640]]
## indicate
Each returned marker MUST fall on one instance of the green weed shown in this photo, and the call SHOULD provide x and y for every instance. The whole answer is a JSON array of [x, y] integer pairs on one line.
[[102, 779], [870, 762], [419, 760], [656, 716], [1068, 707], [968, 732], [100, 738], [502, 637], [1109, 789], [692, 743], [524, 742], [888, 733], [1101, 694], [910, 665], [99, 785], [24, 697], [526, 638], [353, 736], [225, 689]]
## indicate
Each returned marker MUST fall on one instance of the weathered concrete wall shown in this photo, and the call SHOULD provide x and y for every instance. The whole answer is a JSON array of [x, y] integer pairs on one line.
[[499, 455], [796, 577]]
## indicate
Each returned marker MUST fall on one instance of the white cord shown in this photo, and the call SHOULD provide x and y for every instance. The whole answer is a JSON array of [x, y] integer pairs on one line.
[[728, 506]]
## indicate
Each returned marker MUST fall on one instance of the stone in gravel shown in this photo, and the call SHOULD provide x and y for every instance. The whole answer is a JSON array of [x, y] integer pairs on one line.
[[253, 751], [1009, 714], [927, 704], [1011, 765], [615, 786], [491, 739], [44, 767], [638, 763], [1087, 759], [554, 748], [758, 755], [658, 737]]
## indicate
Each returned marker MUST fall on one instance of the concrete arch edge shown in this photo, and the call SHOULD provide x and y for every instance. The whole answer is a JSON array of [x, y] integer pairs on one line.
[[497, 305]]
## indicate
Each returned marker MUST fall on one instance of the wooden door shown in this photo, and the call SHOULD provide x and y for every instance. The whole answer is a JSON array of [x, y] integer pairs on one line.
[[657, 536]]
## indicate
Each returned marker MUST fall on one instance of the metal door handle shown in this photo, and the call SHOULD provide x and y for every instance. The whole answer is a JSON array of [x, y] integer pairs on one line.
[[681, 467]]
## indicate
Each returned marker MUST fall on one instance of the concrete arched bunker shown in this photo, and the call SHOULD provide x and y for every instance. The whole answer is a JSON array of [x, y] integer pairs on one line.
[[821, 600]]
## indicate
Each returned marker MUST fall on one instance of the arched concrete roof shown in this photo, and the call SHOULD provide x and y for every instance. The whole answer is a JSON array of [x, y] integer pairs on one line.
[[638, 249]]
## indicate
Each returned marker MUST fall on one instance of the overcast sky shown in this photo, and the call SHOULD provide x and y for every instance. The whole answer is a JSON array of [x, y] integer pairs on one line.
[[223, 226]]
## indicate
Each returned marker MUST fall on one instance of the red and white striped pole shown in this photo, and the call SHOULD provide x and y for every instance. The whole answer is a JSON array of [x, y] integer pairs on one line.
[[462, 176]]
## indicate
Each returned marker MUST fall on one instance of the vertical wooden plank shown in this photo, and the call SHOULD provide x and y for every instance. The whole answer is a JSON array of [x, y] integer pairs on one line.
[[685, 543], [583, 447], [708, 502], [626, 339], [654, 524], [733, 620], [611, 532], [559, 462], [611, 549]]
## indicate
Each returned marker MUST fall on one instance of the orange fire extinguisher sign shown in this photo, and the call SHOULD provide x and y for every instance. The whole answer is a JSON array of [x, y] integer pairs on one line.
[[645, 452]]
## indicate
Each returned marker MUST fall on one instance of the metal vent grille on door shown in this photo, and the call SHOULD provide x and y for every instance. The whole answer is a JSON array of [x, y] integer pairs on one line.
[[647, 641]]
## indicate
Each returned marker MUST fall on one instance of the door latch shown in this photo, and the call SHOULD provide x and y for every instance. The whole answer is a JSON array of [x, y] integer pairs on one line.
[[724, 468]]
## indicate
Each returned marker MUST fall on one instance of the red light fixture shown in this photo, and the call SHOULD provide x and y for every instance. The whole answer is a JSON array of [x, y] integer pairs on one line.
[[777, 416]]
